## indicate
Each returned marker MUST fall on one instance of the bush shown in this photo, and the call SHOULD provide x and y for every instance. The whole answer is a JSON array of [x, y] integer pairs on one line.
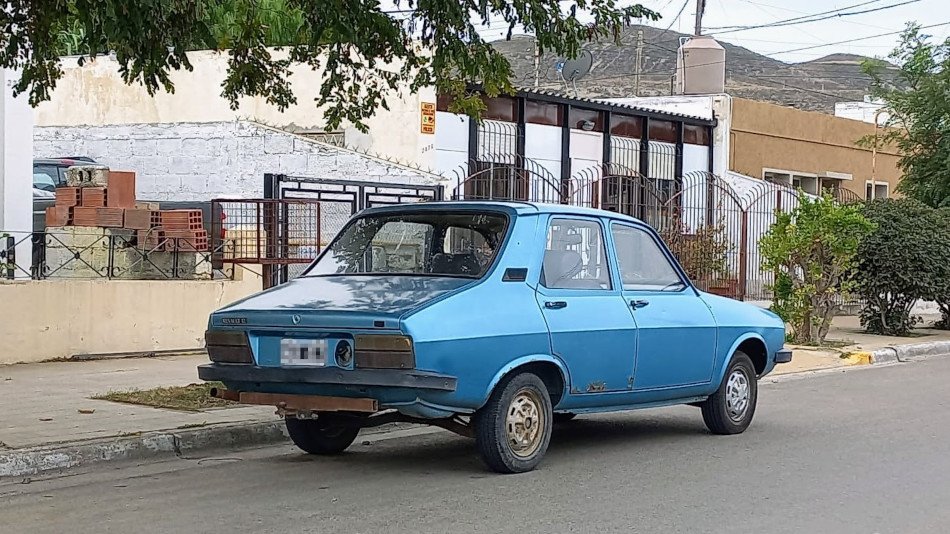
[[703, 253], [811, 252], [905, 259]]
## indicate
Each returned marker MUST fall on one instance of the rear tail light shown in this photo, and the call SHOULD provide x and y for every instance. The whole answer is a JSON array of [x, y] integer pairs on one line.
[[384, 352], [226, 346]]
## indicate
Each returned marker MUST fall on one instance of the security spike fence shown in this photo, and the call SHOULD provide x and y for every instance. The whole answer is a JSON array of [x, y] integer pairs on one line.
[[115, 254], [711, 224]]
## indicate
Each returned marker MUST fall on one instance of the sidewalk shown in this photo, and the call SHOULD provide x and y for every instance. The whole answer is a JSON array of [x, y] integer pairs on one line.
[[49, 420]]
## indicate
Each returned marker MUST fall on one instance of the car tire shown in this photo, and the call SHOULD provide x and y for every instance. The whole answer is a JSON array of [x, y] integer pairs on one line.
[[324, 435], [730, 409], [513, 429], [563, 417]]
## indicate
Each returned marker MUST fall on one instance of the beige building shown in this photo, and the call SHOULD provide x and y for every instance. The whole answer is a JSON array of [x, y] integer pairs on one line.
[[809, 150]]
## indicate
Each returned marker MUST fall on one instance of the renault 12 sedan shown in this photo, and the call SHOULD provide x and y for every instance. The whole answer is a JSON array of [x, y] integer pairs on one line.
[[495, 321]]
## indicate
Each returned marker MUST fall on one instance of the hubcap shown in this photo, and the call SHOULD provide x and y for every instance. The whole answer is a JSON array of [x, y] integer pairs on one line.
[[524, 423], [737, 394]]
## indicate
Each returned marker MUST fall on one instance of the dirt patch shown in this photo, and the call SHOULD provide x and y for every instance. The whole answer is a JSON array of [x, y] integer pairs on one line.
[[190, 398]]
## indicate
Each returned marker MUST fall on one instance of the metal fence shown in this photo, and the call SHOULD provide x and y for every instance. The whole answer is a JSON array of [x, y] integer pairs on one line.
[[712, 225], [87, 253]]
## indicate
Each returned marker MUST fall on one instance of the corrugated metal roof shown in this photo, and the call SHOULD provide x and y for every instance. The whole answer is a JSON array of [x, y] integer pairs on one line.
[[528, 91]]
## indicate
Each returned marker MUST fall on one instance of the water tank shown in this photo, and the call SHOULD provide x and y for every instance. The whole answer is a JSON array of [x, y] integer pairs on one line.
[[700, 67]]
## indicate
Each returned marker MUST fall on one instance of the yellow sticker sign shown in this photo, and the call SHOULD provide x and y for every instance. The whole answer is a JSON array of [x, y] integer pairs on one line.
[[428, 118]]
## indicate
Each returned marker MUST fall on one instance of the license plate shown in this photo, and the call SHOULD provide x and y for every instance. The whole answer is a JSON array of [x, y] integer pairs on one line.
[[303, 352]]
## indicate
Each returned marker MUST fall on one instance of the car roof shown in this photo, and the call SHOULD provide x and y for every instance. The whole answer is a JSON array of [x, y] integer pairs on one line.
[[512, 207], [62, 161]]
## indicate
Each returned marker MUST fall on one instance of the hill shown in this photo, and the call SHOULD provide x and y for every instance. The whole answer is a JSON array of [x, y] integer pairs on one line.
[[813, 85]]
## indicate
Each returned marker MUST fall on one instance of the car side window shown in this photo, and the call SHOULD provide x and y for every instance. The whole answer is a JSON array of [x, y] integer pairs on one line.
[[642, 264], [575, 256]]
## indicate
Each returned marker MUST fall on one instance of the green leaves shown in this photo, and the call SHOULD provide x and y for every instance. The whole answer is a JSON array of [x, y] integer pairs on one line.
[[811, 252], [365, 51], [919, 115], [906, 259]]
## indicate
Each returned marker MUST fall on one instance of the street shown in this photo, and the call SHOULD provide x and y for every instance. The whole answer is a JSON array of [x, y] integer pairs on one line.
[[848, 451]]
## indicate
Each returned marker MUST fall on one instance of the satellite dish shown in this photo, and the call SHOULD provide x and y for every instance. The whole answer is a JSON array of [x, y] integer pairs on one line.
[[570, 70]]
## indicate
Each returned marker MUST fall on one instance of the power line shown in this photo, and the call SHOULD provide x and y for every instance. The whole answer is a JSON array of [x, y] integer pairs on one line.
[[846, 41], [812, 18], [672, 22], [807, 16]]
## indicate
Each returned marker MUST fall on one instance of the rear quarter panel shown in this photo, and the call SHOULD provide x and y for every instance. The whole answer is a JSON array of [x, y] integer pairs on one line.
[[479, 333]]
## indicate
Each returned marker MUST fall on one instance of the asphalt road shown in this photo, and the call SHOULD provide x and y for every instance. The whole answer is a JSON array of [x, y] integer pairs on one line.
[[860, 451]]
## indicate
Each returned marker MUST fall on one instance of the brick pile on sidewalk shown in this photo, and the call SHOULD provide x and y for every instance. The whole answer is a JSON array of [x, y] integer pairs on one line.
[[96, 197]]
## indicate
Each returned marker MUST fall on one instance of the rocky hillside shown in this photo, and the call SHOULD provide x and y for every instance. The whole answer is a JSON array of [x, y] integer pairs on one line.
[[813, 85]]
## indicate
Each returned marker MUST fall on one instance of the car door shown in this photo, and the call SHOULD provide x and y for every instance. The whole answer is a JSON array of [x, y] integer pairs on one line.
[[677, 331], [590, 328]]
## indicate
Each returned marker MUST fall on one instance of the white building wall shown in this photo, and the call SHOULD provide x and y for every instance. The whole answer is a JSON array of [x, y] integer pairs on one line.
[[95, 95], [16, 174], [861, 111], [203, 161], [543, 147], [451, 145]]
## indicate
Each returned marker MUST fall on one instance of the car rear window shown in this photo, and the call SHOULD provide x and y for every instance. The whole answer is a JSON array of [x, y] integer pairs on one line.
[[430, 243]]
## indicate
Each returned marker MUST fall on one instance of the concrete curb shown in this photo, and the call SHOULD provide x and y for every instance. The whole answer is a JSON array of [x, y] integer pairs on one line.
[[912, 352], [181, 443], [151, 445]]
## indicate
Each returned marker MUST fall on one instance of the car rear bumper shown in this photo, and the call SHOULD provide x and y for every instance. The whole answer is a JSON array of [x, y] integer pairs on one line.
[[783, 356], [396, 378]]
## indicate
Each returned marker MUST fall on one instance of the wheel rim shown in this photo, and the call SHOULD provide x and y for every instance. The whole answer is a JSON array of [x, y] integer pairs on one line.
[[524, 424], [737, 395]]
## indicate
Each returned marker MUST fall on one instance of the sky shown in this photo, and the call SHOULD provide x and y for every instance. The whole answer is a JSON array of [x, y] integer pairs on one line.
[[781, 42]]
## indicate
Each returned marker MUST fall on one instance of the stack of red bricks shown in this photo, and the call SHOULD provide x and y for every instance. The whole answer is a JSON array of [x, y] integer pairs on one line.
[[113, 205]]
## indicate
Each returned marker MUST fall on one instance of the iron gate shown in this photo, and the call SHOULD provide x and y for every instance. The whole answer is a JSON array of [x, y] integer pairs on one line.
[[306, 213]]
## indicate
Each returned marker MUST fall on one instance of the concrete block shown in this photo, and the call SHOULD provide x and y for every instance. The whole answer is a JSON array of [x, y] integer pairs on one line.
[[278, 144], [294, 164], [181, 165], [168, 147], [87, 176]]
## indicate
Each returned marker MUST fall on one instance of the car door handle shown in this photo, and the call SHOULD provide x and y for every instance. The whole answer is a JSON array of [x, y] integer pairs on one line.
[[637, 304], [555, 304]]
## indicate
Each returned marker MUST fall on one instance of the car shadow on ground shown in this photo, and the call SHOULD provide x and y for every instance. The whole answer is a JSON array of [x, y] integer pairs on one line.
[[446, 452]]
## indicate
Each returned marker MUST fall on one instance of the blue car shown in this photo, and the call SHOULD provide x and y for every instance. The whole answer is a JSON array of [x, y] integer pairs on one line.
[[493, 320]]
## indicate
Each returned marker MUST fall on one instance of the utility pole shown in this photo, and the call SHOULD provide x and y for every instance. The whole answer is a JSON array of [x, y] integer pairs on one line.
[[700, 9], [537, 64], [636, 83]]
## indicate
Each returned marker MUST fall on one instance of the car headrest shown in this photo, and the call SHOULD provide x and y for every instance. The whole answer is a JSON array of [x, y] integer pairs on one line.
[[560, 265], [460, 264]]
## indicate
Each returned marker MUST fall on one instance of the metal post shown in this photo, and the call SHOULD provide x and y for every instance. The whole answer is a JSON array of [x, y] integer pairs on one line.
[[10, 255], [743, 256], [636, 79]]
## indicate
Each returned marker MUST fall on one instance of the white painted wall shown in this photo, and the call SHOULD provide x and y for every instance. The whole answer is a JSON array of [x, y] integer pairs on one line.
[[16, 170], [587, 150], [451, 145], [94, 94], [203, 161], [543, 146], [861, 111], [695, 158]]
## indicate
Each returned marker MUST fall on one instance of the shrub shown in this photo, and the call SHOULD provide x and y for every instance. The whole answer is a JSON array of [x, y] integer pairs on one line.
[[703, 253], [811, 252], [905, 259]]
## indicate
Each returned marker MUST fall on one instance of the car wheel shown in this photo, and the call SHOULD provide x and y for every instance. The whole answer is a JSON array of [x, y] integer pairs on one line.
[[513, 429], [563, 417], [324, 435], [730, 409]]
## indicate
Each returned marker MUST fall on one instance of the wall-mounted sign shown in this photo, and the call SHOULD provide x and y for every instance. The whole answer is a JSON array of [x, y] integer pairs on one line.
[[428, 118]]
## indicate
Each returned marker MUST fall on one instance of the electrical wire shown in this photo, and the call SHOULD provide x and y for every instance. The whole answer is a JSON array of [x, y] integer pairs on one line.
[[791, 22], [846, 41]]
